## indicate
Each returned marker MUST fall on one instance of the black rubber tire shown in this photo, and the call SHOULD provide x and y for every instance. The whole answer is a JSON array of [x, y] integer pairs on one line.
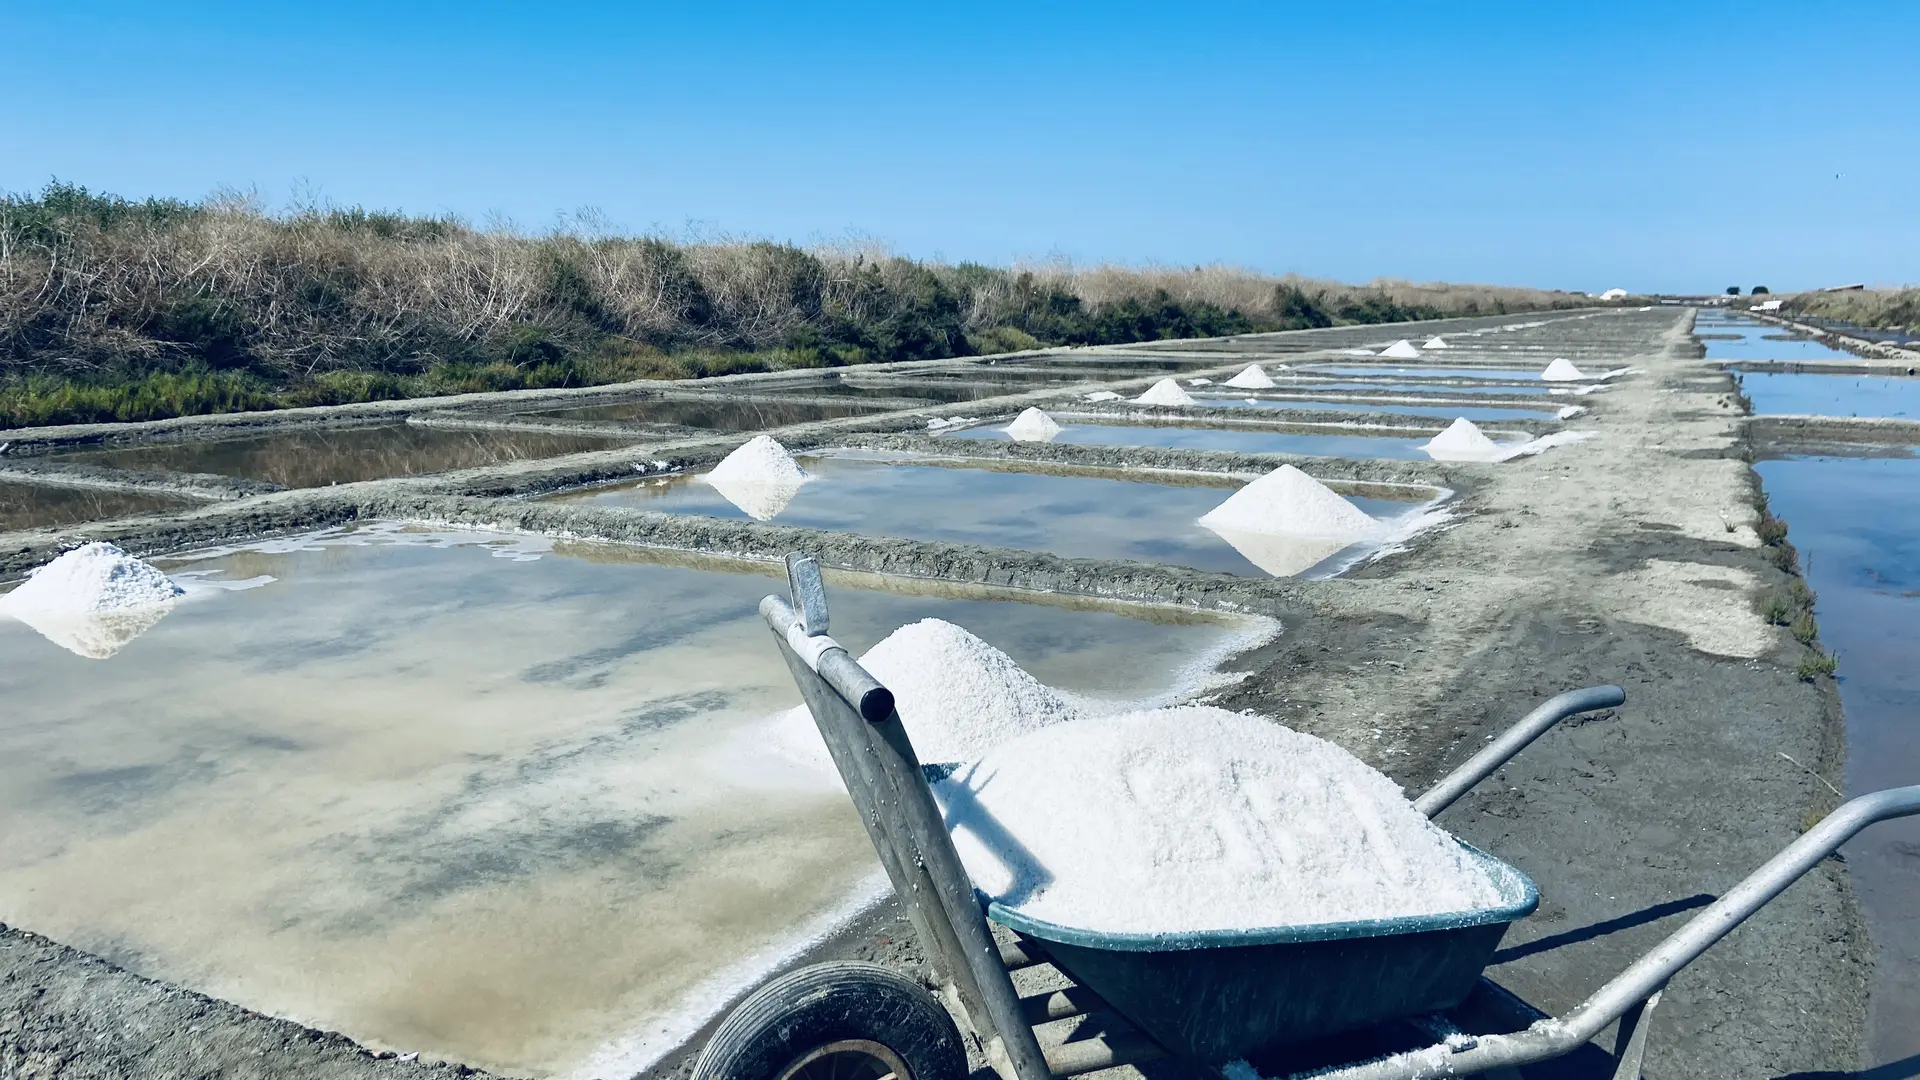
[[800, 1013]]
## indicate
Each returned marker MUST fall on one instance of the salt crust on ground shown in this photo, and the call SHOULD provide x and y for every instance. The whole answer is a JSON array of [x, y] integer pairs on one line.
[[1164, 392], [1562, 370], [1251, 377], [1401, 350], [1462, 441], [1288, 502], [1033, 425], [1103, 395], [1196, 819]]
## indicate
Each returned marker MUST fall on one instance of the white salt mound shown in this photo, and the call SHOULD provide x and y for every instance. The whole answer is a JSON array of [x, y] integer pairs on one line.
[[760, 460], [1164, 392], [1435, 343], [1401, 350], [1288, 502], [1033, 425], [1562, 370], [958, 696], [1462, 441], [93, 579], [1252, 377], [1198, 819]]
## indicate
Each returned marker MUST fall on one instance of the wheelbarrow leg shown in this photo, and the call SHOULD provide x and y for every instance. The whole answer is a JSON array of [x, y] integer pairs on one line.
[[1630, 1045]]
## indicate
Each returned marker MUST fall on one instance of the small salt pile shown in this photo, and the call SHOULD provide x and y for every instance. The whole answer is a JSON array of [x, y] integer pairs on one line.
[[759, 477], [1562, 370], [1436, 343], [1199, 382], [1401, 350], [1288, 502], [1462, 441], [92, 600], [1164, 392], [1033, 425], [1252, 377], [1197, 819], [957, 696]]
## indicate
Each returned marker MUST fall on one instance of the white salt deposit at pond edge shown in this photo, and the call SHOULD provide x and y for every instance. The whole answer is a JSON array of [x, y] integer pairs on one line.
[[1102, 395], [1196, 819], [1199, 382], [1562, 370], [1164, 392], [760, 460], [1033, 425], [1401, 350], [92, 601], [1288, 502], [1251, 377], [92, 579], [1462, 441]]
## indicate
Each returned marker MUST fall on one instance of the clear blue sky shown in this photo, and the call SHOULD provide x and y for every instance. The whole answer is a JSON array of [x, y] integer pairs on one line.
[[1652, 146]]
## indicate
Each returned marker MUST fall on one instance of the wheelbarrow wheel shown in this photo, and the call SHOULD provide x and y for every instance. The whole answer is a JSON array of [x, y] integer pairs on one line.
[[839, 1021]]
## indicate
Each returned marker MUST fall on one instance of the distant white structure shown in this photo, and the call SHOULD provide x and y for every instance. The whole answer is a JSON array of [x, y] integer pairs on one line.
[[1767, 305], [1614, 294]]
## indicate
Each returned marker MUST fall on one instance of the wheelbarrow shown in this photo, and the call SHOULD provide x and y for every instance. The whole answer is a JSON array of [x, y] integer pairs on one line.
[[1203, 998]]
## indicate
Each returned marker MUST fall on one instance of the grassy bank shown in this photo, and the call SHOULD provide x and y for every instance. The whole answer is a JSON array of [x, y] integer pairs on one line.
[[1887, 309], [113, 309]]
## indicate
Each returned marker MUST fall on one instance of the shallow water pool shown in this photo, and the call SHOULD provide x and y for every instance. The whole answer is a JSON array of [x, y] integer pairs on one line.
[[41, 506], [316, 457], [1076, 516], [1363, 370], [1857, 524], [1746, 339], [483, 798], [1237, 440], [716, 413], [1476, 413], [1778, 393]]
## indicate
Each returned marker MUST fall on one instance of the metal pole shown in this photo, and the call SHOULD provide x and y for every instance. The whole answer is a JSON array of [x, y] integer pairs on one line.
[[1646, 976], [1513, 740]]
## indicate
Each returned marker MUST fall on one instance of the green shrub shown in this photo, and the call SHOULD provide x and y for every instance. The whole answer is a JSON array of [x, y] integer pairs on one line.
[[1803, 629], [1815, 663]]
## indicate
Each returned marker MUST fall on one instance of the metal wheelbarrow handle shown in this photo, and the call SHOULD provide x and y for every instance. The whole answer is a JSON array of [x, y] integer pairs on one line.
[[1513, 740]]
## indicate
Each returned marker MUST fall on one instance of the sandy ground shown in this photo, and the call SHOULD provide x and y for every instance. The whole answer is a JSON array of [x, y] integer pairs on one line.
[[1628, 558]]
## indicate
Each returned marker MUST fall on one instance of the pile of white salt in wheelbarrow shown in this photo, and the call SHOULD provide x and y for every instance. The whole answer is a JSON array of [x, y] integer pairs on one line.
[[1177, 820]]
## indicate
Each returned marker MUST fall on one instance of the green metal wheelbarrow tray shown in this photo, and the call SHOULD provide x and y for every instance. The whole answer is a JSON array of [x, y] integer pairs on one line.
[[1206, 998]]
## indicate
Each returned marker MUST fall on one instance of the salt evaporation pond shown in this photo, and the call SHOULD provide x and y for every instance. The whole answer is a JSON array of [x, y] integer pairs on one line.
[[715, 413], [42, 506], [1076, 516], [1778, 393], [1363, 370], [1238, 440], [1475, 413], [1434, 387], [476, 797], [315, 457], [1856, 522], [1754, 340], [941, 391]]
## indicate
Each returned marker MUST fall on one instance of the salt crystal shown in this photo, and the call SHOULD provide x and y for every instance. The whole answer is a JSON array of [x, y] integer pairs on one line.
[[1401, 350], [1462, 441], [1197, 819], [1033, 425], [93, 600], [759, 477], [957, 696], [1562, 370], [1252, 377], [1164, 392], [1288, 502]]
